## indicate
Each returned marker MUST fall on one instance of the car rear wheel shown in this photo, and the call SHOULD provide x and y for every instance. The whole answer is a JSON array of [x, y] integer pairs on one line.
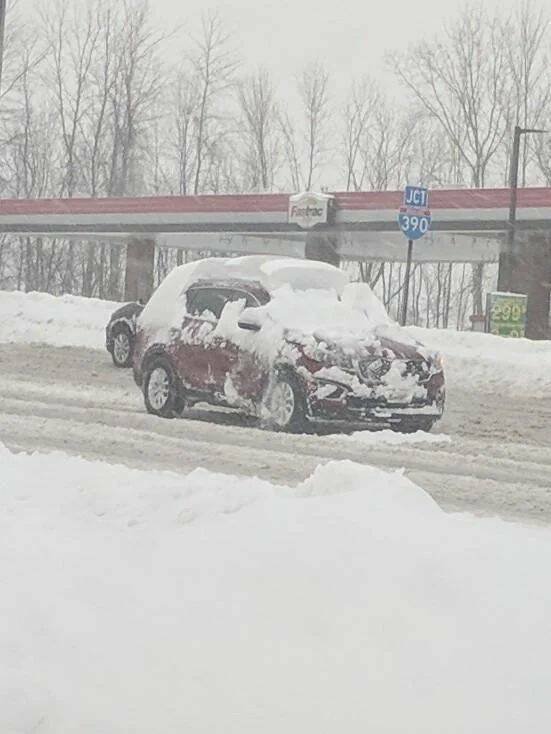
[[123, 344], [160, 388], [283, 406]]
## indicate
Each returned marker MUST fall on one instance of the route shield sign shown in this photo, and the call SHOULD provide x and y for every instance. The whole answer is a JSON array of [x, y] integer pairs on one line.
[[414, 216]]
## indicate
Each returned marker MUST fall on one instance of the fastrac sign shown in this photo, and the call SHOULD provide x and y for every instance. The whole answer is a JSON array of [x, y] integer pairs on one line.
[[308, 209]]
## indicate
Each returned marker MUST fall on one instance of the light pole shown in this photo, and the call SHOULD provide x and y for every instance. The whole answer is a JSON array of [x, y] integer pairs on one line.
[[2, 26], [506, 258]]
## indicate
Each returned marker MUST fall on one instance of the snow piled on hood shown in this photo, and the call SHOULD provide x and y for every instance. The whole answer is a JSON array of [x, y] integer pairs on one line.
[[315, 319], [320, 313], [143, 602]]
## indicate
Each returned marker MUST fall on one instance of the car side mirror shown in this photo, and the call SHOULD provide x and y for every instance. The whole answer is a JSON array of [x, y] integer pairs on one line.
[[250, 320], [248, 326]]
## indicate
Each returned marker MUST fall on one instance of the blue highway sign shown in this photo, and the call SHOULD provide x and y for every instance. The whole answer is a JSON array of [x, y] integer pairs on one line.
[[414, 216]]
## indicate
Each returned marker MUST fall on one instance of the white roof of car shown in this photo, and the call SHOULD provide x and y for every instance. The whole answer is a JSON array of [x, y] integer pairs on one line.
[[271, 272]]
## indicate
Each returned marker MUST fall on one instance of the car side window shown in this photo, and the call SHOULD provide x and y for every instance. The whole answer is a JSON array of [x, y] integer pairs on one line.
[[206, 302], [211, 301], [250, 301]]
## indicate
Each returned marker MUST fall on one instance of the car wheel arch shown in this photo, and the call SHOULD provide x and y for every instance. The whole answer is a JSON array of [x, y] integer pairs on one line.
[[123, 323], [155, 350]]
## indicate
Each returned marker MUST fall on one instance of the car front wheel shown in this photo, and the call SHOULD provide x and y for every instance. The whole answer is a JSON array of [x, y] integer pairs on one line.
[[161, 394], [283, 405]]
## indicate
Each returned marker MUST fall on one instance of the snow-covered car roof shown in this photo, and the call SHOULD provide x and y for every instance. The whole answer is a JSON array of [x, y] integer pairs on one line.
[[271, 272]]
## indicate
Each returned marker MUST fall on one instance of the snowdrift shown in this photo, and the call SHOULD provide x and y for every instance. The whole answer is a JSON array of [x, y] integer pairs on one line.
[[491, 363], [62, 321], [150, 602]]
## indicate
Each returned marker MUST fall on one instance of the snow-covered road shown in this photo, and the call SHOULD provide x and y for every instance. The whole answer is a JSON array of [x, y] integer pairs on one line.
[[497, 459]]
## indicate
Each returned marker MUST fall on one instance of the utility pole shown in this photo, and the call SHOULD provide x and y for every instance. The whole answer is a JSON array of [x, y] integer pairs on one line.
[[3, 4]]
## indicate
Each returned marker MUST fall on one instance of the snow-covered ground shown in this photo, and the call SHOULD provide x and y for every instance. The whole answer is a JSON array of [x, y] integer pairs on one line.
[[154, 602], [496, 364], [191, 600]]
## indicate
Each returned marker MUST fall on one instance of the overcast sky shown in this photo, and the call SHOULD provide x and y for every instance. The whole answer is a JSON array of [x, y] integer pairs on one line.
[[351, 36]]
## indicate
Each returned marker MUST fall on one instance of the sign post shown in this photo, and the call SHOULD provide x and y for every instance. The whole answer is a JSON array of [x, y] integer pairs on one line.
[[414, 219]]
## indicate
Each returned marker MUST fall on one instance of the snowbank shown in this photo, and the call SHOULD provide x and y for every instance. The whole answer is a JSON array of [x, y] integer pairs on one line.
[[491, 363], [150, 602], [62, 321]]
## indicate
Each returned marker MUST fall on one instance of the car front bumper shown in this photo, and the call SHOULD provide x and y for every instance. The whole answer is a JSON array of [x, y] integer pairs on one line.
[[345, 407]]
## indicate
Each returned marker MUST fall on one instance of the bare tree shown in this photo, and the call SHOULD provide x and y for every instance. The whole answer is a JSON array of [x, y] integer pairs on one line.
[[357, 117], [183, 119], [256, 96], [214, 63], [462, 82], [314, 96], [380, 147], [528, 62], [291, 148]]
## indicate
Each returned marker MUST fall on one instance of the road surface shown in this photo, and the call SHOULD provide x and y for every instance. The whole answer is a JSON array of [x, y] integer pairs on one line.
[[70, 399]]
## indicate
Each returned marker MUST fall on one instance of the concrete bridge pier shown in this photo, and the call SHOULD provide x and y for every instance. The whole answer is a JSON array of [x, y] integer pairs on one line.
[[323, 246], [527, 270], [140, 262]]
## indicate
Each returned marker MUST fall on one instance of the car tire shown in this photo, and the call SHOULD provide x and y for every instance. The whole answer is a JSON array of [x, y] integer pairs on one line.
[[283, 406], [123, 346], [162, 394], [413, 425]]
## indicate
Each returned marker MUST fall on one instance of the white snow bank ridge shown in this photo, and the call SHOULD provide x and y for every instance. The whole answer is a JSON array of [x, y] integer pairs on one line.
[[62, 321], [150, 602], [494, 363]]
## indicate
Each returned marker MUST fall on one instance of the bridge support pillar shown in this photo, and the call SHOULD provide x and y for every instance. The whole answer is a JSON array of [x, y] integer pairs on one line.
[[140, 261], [528, 270], [322, 246]]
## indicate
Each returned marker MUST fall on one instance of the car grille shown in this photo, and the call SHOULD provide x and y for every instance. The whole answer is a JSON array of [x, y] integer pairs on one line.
[[374, 369]]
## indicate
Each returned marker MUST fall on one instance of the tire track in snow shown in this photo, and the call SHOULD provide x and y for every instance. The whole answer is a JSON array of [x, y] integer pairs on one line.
[[75, 401]]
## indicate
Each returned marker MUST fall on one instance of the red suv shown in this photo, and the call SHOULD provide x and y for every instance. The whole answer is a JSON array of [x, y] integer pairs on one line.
[[289, 341]]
